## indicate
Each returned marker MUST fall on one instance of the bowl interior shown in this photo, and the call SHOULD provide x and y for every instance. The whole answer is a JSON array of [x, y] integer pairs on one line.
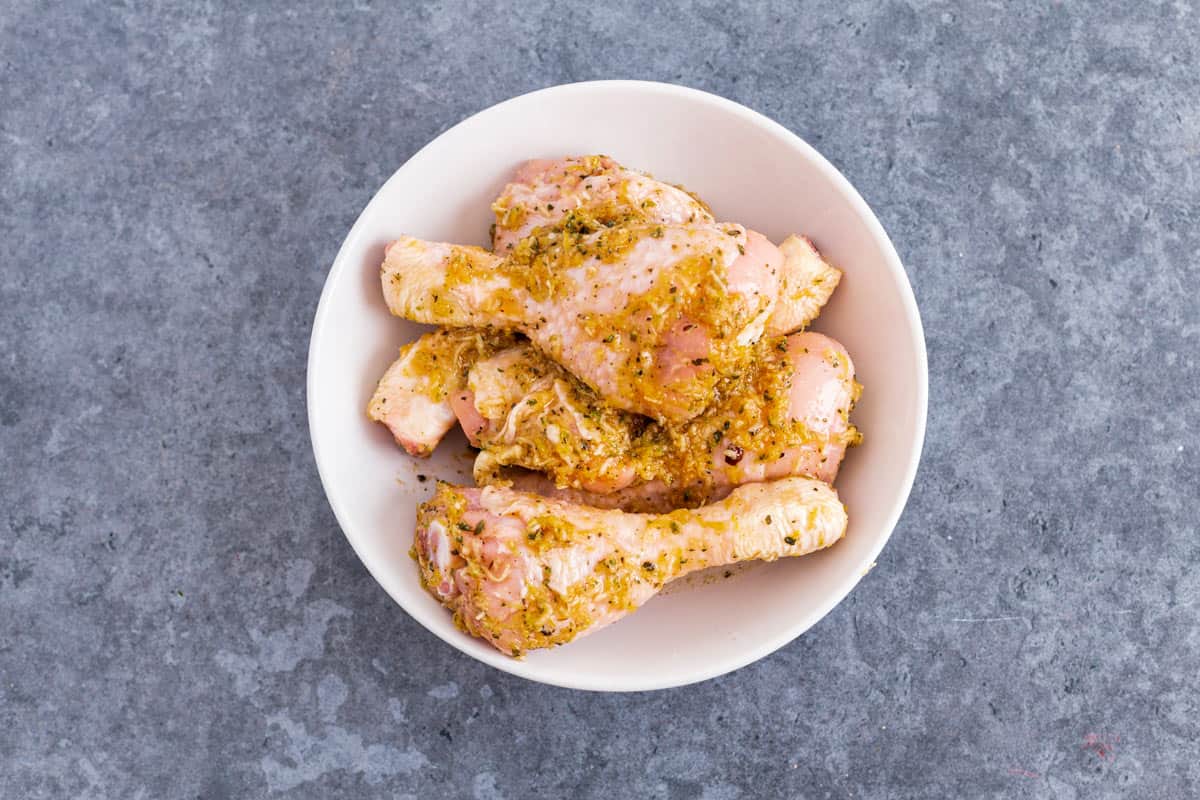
[[751, 171]]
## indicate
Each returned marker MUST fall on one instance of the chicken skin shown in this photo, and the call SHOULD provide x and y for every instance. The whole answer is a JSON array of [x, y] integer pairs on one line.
[[651, 317], [522, 571]]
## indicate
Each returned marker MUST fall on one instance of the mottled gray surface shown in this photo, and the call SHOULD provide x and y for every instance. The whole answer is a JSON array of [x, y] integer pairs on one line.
[[179, 615]]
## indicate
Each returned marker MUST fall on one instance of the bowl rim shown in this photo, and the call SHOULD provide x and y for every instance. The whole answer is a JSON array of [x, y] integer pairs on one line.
[[742, 657]]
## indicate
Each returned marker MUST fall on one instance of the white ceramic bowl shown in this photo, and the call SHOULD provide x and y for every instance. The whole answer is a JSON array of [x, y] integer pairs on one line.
[[751, 170]]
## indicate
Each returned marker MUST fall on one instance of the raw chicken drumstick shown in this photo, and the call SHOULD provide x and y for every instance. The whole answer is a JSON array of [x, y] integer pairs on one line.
[[521, 571], [787, 415], [650, 316], [412, 398], [543, 192], [806, 282]]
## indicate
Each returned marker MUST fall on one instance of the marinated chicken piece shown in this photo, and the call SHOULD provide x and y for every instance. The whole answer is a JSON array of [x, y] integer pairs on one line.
[[522, 571], [543, 192], [595, 193], [806, 282], [520, 407], [789, 414], [412, 398], [650, 317]]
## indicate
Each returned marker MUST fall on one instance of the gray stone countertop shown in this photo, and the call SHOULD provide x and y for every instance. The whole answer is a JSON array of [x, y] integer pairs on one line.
[[179, 614]]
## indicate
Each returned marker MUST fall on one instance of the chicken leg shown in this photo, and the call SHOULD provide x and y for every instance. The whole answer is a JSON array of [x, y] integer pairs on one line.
[[412, 398], [522, 572], [650, 317], [806, 282], [543, 192], [787, 415]]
